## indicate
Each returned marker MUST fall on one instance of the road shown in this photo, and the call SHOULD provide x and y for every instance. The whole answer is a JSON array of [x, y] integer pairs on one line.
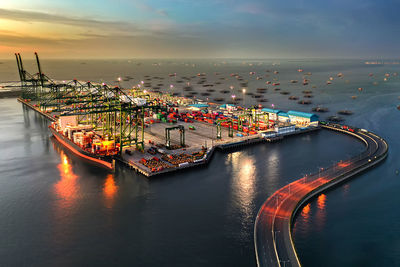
[[273, 227]]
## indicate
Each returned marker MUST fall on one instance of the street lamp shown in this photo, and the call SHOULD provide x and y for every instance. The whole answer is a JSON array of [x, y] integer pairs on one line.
[[233, 98], [170, 89], [274, 234], [284, 262], [244, 95]]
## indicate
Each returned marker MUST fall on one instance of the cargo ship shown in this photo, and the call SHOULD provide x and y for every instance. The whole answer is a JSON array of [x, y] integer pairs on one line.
[[85, 143]]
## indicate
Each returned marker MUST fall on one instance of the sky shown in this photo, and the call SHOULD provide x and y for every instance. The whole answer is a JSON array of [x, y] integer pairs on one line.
[[201, 28]]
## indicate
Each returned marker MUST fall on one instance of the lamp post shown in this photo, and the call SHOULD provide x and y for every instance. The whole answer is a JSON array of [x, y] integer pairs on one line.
[[244, 96], [233, 99], [274, 234], [284, 262]]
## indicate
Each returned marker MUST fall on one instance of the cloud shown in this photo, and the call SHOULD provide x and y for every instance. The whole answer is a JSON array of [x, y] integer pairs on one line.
[[156, 38], [31, 16]]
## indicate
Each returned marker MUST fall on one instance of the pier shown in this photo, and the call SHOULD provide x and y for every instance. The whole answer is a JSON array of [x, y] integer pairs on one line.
[[273, 226], [194, 139], [149, 131]]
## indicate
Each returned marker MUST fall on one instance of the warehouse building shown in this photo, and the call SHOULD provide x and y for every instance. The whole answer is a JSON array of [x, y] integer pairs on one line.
[[272, 113], [302, 118]]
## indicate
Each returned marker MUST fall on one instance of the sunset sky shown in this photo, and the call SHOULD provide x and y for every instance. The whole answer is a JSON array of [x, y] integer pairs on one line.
[[198, 29]]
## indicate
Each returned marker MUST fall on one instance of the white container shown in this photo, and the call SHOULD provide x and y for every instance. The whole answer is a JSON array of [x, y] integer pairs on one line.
[[183, 164]]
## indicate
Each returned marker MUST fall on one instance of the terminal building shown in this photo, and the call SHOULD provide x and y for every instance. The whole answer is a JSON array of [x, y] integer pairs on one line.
[[302, 118], [298, 118]]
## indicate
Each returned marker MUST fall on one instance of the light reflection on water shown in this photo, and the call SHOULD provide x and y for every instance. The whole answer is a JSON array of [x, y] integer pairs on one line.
[[243, 183], [110, 190], [273, 165], [321, 213], [66, 189]]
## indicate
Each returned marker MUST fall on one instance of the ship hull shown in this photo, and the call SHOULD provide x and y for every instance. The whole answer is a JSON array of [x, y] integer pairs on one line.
[[99, 161]]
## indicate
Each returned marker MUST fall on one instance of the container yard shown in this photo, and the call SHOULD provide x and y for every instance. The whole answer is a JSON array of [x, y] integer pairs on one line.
[[150, 132]]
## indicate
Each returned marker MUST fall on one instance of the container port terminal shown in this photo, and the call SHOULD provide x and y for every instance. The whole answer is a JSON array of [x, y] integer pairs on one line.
[[154, 133], [150, 132]]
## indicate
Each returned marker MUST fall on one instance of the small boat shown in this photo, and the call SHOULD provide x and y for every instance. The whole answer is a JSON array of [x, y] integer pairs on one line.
[[292, 97], [354, 97], [328, 82], [345, 112], [320, 109], [304, 102], [300, 70], [276, 84], [293, 81]]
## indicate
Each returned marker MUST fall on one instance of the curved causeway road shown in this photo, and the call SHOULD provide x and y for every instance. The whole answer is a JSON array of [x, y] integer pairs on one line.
[[273, 226]]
